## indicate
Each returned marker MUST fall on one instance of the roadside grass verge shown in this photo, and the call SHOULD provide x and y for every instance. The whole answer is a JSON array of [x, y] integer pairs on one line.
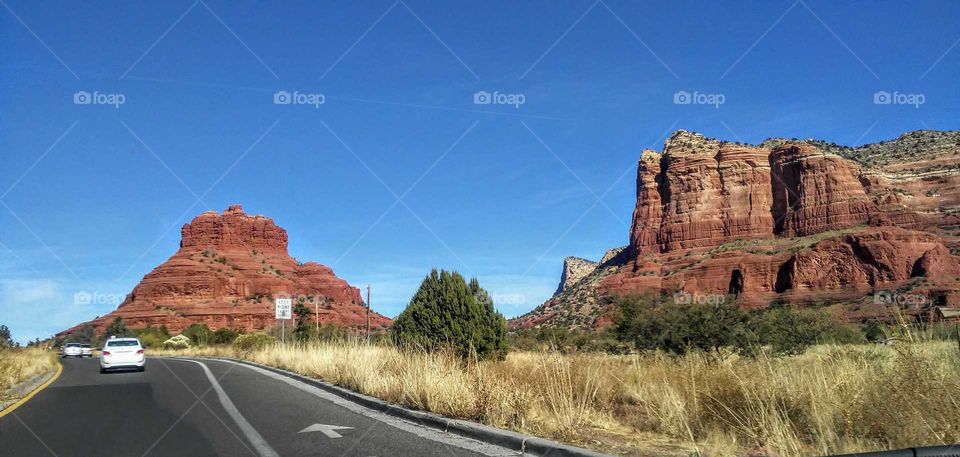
[[18, 365], [830, 399]]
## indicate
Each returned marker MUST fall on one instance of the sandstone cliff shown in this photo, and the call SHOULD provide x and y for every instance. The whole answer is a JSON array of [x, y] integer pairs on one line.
[[799, 221], [226, 273], [574, 269]]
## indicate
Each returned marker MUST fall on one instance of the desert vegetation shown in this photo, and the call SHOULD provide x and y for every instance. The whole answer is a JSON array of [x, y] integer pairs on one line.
[[668, 378], [831, 398], [19, 364]]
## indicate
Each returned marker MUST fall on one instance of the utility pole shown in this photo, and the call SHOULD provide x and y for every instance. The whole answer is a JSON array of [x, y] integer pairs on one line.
[[316, 307], [368, 313]]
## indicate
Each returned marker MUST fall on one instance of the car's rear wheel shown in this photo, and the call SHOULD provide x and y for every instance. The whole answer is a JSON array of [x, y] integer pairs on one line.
[[103, 370]]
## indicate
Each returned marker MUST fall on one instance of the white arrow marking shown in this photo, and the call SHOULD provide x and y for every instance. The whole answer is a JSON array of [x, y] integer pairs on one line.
[[329, 430]]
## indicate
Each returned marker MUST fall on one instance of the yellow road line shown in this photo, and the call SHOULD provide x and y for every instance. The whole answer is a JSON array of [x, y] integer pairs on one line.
[[23, 400]]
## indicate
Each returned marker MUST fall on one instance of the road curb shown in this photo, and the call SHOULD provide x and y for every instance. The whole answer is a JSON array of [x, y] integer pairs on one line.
[[524, 444], [51, 377]]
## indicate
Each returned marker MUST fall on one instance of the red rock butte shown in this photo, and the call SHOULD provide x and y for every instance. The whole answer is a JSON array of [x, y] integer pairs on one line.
[[787, 220], [226, 273]]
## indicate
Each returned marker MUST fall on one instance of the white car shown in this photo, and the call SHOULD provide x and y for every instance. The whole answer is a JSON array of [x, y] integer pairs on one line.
[[72, 350], [86, 350], [122, 353]]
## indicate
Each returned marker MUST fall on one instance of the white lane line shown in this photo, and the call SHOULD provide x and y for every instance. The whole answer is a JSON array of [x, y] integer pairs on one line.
[[263, 448], [416, 429]]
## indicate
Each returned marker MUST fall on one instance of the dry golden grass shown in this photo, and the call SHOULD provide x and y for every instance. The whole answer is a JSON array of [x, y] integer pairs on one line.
[[18, 365], [831, 399]]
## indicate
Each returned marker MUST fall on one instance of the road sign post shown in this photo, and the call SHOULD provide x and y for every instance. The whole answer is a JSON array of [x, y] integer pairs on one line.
[[283, 312], [368, 313]]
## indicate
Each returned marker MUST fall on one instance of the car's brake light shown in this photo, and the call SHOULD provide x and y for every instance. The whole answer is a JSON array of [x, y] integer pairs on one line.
[[140, 351], [105, 353]]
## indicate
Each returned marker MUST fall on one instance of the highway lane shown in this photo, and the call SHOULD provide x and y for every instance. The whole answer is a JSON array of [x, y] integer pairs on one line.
[[208, 408]]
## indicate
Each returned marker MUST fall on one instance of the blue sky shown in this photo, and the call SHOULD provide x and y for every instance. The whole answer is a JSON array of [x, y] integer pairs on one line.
[[93, 195]]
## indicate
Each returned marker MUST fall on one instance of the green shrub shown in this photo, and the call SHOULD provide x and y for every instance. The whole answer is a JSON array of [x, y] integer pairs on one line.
[[304, 318], [152, 336], [224, 335], [788, 330], [178, 342], [565, 340], [199, 334], [84, 335], [5, 339], [449, 313], [253, 341], [653, 322], [116, 328]]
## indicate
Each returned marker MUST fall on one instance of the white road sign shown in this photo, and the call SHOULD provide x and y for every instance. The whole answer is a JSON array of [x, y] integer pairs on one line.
[[284, 308]]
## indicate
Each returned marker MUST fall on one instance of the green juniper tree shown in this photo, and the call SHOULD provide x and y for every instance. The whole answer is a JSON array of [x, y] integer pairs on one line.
[[449, 312], [303, 330], [5, 339]]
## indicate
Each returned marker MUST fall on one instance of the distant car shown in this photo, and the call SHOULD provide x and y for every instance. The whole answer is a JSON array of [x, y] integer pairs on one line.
[[86, 350], [122, 353], [71, 350]]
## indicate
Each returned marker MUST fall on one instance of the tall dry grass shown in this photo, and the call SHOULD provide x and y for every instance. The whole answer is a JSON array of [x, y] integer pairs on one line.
[[18, 365], [831, 399]]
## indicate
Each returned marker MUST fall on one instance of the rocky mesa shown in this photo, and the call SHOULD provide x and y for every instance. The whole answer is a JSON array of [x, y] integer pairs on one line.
[[797, 221], [226, 273]]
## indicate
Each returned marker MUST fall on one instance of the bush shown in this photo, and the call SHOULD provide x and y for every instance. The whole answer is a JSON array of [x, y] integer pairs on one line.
[[224, 336], [305, 328], [253, 341], [564, 340], [791, 331], [199, 334], [178, 342], [84, 335], [448, 313], [652, 322], [116, 328], [5, 339], [152, 336]]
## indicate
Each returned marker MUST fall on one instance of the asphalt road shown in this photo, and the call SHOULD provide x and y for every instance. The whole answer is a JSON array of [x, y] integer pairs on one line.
[[208, 408]]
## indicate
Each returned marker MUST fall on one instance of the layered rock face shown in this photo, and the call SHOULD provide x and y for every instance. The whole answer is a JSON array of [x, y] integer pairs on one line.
[[574, 269], [226, 273], [789, 220]]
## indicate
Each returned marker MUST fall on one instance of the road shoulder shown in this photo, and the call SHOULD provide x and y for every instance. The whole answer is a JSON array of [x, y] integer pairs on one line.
[[23, 392], [513, 441]]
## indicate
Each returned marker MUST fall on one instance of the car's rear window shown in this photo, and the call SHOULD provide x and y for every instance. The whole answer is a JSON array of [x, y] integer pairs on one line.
[[114, 344], [73, 345], [84, 346]]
